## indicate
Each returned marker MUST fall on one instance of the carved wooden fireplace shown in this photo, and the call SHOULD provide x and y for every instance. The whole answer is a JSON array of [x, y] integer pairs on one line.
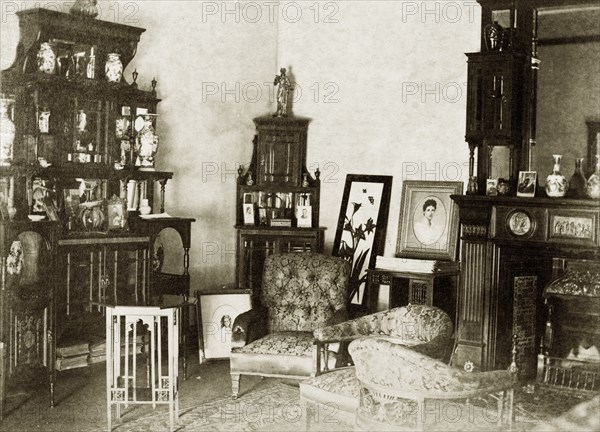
[[511, 248], [569, 356]]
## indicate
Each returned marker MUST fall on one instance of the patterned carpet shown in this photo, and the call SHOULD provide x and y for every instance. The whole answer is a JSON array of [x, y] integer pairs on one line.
[[277, 408], [255, 411]]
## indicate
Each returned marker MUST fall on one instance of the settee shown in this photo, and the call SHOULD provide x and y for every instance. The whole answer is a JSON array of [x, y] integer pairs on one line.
[[425, 329]]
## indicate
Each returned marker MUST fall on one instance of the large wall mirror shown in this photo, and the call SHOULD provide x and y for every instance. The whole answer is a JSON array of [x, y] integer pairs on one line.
[[568, 99], [568, 87]]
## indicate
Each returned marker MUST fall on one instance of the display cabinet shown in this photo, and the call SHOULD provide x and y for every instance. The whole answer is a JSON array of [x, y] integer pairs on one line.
[[494, 109], [501, 96], [277, 199], [78, 142]]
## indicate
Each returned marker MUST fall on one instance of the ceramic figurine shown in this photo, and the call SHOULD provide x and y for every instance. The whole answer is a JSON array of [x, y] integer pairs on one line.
[[46, 59], [7, 133], [113, 68], [81, 121], [146, 144], [90, 71], [556, 183], [493, 36]]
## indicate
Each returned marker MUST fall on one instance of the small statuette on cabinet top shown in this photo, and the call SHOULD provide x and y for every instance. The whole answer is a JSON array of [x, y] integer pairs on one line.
[[284, 87]]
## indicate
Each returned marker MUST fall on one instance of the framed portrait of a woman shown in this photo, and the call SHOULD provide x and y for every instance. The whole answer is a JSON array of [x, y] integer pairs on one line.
[[428, 224]]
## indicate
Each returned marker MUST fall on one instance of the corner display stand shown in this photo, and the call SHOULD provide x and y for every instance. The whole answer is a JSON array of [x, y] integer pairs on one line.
[[277, 199]]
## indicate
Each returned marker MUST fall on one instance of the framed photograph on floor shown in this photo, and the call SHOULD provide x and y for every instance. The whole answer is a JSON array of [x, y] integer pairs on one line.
[[218, 311], [428, 224], [362, 223]]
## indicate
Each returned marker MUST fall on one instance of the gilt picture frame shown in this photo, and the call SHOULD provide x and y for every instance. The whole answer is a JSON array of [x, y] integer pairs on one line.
[[361, 227], [428, 223]]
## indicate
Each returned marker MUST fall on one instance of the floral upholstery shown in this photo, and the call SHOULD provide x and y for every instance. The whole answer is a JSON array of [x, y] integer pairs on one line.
[[393, 377], [420, 327], [426, 329], [331, 397], [300, 292], [340, 382], [282, 343]]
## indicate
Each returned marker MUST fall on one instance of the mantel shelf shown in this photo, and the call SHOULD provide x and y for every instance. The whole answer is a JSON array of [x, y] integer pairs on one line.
[[522, 201]]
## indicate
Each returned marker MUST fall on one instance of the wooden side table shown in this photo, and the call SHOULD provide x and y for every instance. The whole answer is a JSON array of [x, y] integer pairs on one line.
[[437, 288]]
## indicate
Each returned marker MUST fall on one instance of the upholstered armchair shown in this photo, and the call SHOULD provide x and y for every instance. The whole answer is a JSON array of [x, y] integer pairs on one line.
[[395, 381], [301, 292], [426, 329]]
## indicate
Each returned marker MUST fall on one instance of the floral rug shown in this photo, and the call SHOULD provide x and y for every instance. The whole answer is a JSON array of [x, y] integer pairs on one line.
[[277, 408], [253, 411]]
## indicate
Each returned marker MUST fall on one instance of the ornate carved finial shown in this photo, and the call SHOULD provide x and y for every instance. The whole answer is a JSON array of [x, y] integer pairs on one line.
[[284, 87], [85, 8], [134, 75], [153, 83]]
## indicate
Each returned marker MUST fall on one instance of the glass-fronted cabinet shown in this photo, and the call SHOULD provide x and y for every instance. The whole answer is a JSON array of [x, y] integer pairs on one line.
[[77, 148]]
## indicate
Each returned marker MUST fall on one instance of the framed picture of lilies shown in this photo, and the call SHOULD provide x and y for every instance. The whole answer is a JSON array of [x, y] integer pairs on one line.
[[362, 223]]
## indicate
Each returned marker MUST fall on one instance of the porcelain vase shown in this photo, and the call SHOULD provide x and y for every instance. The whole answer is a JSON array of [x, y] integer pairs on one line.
[[113, 69], [593, 183], [577, 182], [7, 133], [556, 183], [145, 208], [46, 59]]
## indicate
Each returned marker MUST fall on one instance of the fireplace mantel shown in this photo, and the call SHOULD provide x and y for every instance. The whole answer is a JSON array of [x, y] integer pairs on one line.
[[510, 248]]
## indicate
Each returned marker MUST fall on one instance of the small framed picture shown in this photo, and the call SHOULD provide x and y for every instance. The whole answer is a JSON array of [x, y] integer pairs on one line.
[[491, 187], [304, 216], [218, 311], [262, 216], [527, 183], [116, 214], [248, 209], [248, 214]]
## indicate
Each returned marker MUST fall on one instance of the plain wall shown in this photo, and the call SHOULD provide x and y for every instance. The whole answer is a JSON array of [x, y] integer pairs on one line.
[[383, 82]]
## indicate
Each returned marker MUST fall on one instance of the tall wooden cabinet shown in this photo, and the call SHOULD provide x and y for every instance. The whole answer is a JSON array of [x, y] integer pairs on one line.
[[74, 172], [277, 199]]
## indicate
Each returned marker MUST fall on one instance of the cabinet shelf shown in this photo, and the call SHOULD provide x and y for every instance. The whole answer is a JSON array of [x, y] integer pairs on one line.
[[77, 170], [93, 88]]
